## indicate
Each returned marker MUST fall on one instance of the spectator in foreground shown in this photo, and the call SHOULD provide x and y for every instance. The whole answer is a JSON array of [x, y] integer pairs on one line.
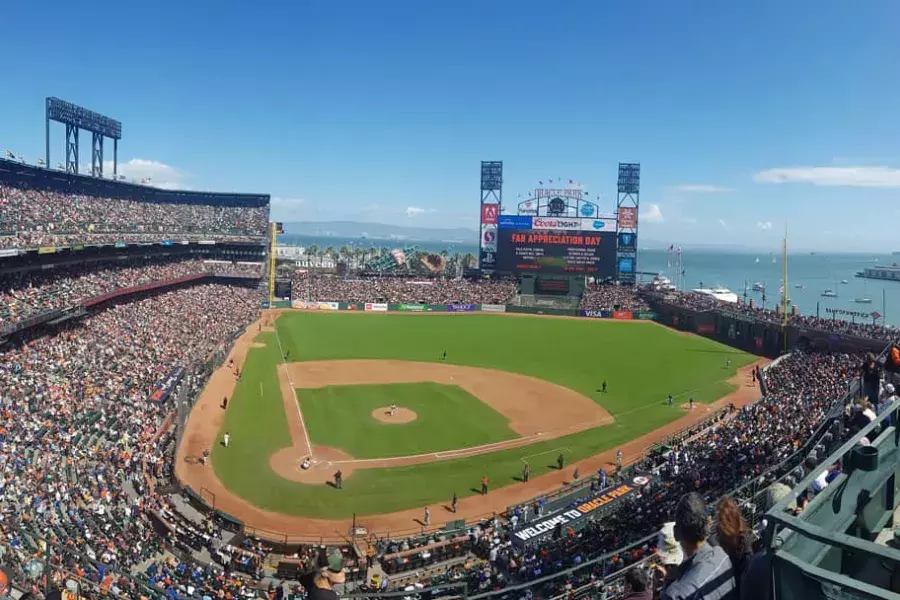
[[320, 584], [734, 536], [706, 572], [637, 585]]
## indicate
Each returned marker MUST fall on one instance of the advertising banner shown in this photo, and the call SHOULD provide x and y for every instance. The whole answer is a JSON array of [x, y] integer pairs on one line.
[[412, 308], [489, 214], [77, 247], [494, 308], [628, 217], [460, 307], [120, 244], [555, 223], [645, 316], [166, 243], [165, 387], [207, 242], [598, 224], [596, 314], [849, 313], [552, 253], [9, 252], [622, 315], [489, 238], [488, 260], [543, 527], [514, 222], [264, 304], [46, 249], [706, 328], [375, 307], [304, 305]]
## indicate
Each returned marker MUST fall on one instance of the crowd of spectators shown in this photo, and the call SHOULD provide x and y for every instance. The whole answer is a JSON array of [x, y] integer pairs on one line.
[[332, 288], [24, 294], [81, 442], [703, 302], [610, 297], [34, 217]]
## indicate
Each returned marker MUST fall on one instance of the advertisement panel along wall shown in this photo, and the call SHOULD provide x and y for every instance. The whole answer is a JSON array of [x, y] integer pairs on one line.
[[376, 307], [494, 308], [628, 217], [557, 252]]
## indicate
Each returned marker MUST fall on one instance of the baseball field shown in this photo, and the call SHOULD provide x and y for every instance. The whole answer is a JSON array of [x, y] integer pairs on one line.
[[511, 390]]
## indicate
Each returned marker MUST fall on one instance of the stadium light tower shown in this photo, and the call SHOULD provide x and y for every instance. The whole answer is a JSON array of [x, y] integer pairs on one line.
[[76, 118], [627, 206]]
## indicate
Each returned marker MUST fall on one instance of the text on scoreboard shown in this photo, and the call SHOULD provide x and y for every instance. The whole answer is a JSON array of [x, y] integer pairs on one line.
[[557, 252]]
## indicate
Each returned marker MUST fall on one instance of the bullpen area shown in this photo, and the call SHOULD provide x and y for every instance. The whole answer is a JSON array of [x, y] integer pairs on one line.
[[412, 409]]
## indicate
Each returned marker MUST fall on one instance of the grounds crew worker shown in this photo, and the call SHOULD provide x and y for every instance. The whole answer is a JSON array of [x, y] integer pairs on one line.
[[320, 584]]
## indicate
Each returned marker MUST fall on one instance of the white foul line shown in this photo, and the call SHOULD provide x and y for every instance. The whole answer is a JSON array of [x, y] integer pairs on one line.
[[293, 392]]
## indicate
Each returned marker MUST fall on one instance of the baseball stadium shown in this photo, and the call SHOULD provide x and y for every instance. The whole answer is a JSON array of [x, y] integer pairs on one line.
[[184, 415]]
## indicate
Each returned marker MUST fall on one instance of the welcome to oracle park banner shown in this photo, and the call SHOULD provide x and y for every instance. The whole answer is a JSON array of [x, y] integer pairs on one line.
[[543, 527]]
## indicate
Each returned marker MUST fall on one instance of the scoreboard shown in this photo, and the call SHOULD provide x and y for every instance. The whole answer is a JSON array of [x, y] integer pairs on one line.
[[563, 252]]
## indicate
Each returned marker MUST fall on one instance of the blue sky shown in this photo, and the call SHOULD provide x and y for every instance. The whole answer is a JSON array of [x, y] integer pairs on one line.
[[745, 116]]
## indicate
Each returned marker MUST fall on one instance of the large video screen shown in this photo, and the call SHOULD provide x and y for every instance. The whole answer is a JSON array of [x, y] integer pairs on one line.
[[557, 252]]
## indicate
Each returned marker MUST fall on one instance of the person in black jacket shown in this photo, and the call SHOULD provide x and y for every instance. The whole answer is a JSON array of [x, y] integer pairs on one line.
[[734, 536], [871, 378]]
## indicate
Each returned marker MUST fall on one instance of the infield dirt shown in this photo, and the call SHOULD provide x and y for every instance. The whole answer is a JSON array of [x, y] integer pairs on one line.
[[207, 416]]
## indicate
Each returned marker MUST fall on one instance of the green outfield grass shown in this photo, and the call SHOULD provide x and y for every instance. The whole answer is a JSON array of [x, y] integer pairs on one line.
[[339, 416], [641, 362]]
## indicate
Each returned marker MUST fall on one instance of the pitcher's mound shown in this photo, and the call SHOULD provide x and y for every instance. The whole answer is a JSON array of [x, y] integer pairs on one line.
[[402, 415]]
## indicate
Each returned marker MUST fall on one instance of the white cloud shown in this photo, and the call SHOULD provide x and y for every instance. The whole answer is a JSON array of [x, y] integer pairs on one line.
[[652, 214], [701, 188], [764, 225], [723, 223], [160, 174], [885, 177], [415, 211]]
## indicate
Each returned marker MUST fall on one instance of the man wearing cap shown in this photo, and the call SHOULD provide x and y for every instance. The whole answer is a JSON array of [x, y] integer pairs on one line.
[[320, 584], [706, 572]]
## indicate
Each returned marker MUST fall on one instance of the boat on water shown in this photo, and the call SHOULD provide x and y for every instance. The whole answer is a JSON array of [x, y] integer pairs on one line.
[[719, 293], [799, 286], [863, 300], [890, 273], [759, 287], [829, 294], [662, 283], [757, 259], [844, 281]]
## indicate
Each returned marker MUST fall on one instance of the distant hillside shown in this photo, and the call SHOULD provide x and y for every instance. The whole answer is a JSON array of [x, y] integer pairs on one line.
[[356, 229]]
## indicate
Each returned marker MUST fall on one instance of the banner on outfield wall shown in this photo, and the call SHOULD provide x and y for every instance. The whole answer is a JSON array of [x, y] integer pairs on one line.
[[46, 249], [165, 387], [9, 252], [304, 305], [264, 304], [460, 307], [411, 307], [622, 315], [706, 328], [494, 308], [376, 307], [542, 528], [645, 316], [596, 314]]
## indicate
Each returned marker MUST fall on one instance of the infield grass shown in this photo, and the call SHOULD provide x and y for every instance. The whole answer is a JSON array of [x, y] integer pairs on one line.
[[641, 362], [448, 417]]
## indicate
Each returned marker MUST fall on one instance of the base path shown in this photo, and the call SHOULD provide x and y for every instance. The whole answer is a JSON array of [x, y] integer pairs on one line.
[[207, 416]]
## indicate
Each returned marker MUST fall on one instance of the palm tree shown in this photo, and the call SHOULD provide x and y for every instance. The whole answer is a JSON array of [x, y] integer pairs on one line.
[[344, 252]]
